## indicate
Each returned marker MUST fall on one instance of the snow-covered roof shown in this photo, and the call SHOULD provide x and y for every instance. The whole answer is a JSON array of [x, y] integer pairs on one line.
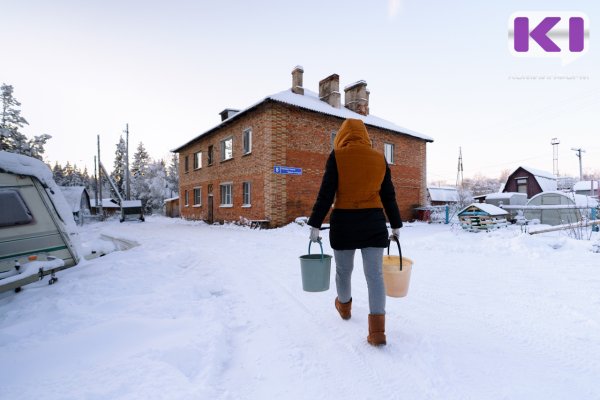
[[505, 195], [310, 101], [539, 172], [447, 194], [106, 203], [73, 196], [585, 185], [171, 199], [487, 208], [132, 203]]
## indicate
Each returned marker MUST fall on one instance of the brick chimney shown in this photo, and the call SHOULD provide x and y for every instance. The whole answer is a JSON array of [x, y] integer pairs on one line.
[[297, 80], [228, 113], [356, 97], [329, 90]]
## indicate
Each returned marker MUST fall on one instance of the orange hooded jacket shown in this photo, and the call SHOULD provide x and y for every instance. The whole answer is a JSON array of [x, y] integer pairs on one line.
[[360, 168]]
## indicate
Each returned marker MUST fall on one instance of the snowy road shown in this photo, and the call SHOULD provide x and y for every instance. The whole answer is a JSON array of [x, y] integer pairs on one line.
[[218, 312]]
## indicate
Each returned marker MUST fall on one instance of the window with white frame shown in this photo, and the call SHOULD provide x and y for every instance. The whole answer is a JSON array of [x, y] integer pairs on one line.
[[247, 141], [226, 149], [186, 199], [247, 191], [197, 196], [198, 160], [226, 195], [388, 150]]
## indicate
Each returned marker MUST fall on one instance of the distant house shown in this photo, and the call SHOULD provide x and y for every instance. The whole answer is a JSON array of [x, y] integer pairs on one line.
[[587, 188], [530, 181], [478, 217], [266, 161], [442, 195], [78, 199]]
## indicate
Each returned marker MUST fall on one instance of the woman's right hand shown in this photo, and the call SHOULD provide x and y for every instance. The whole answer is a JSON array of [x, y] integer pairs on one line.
[[314, 234]]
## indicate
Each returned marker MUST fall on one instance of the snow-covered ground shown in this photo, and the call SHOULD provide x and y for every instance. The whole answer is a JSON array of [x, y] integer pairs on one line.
[[218, 312]]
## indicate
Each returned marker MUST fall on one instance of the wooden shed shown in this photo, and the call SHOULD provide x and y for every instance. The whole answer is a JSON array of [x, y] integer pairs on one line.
[[172, 207], [478, 217], [440, 196]]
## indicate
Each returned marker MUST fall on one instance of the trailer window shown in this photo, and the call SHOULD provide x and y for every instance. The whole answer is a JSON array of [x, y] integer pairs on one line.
[[14, 211]]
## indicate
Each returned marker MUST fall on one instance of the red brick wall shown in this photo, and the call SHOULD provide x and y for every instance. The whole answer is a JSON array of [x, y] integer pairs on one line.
[[288, 136], [237, 170]]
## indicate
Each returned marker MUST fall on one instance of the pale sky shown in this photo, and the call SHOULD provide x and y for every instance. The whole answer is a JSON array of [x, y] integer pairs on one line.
[[442, 68]]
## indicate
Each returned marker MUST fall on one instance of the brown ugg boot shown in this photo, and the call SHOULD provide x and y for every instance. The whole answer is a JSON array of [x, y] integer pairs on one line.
[[376, 329], [344, 308]]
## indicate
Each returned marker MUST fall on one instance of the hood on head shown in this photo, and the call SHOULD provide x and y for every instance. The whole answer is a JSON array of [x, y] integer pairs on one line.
[[352, 132]]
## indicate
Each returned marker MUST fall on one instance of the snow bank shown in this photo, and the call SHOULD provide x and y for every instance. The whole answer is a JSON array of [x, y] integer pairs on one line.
[[217, 312]]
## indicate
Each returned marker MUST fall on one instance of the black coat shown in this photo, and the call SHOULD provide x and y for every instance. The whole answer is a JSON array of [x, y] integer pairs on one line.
[[355, 229]]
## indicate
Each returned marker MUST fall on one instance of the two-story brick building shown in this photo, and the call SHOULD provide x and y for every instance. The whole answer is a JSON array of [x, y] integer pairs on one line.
[[234, 169]]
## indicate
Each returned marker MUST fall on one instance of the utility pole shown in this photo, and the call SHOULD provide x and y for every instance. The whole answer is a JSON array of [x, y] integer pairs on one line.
[[96, 179], [459, 172], [555, 142], [578, 154], [127, 177], [100, 181]]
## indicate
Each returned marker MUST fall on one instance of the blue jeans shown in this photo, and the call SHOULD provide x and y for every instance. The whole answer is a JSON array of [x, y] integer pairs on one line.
[[372, 260]]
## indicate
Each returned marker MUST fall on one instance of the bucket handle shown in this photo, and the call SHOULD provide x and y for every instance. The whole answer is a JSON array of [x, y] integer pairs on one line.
[[320, 244], [395, 239]]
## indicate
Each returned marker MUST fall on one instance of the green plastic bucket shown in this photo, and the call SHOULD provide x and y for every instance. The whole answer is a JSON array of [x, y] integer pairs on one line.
[[316, 269]]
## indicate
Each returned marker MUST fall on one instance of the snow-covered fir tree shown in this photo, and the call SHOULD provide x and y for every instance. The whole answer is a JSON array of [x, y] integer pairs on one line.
[[58, 173], [156, 182], [71, 176], [11, 121], [118, 173], [141, 160], [173, 176], [139, 172]]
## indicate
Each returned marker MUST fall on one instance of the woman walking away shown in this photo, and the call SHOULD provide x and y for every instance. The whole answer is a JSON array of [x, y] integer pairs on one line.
[[359, 179]]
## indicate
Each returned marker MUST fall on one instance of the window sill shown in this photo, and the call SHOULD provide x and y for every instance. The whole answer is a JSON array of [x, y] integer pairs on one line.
[[186, 205], [197, 205], [247, 154], [197, 169], [246, 205], [226, 206], [229, 159]]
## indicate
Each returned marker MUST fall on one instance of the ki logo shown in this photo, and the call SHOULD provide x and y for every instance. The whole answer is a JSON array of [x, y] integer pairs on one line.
[[558, 34]]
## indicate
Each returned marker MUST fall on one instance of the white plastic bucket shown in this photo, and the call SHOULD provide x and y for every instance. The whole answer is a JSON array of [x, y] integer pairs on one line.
[[396, 273]]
